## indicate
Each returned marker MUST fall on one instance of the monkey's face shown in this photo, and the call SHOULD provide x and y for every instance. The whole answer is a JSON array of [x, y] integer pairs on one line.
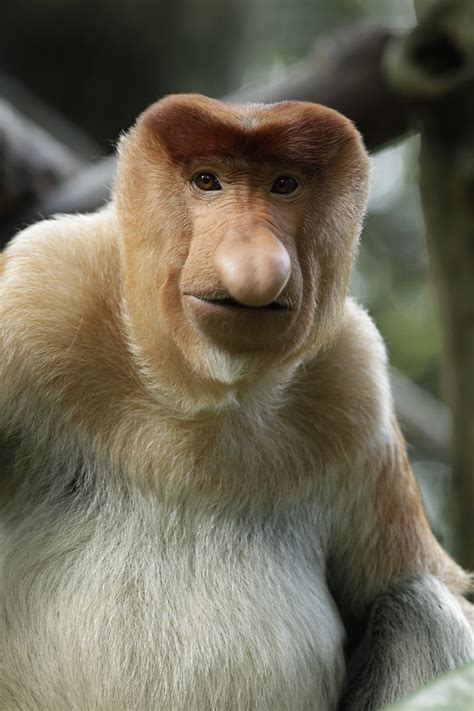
[[240, 224], [241, 284]]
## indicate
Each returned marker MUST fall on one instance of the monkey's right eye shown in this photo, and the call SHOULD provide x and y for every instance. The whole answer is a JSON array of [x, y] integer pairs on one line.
[[206, 181], [284, 185]]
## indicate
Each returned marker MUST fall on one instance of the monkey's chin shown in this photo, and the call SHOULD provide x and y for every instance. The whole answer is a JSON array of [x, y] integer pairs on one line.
[[241, 329]]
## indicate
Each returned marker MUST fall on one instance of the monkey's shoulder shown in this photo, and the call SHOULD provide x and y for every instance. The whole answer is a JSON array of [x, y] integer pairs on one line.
[[345, 389], [52, 262], [59, 298], [55, 276]]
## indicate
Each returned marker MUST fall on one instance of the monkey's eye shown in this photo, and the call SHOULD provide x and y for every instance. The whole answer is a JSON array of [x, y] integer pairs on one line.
[[206, 181], [284, 185]]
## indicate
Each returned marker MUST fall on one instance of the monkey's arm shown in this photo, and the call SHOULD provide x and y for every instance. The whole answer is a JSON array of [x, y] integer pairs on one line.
[[391, 565], [416, 631]]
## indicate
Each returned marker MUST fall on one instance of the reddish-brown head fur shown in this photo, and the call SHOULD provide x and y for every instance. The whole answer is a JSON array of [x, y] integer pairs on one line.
[[289, 133], [184, 248]]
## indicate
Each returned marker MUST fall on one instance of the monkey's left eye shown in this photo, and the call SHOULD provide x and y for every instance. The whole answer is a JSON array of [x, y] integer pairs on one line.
[[206, 181], [284, 185]]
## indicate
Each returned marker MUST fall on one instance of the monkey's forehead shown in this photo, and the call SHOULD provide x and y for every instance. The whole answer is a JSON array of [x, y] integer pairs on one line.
[[189, 126]]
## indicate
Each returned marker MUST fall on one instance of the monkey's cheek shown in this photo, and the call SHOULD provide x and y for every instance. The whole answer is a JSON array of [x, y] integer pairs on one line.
[[240, 329]]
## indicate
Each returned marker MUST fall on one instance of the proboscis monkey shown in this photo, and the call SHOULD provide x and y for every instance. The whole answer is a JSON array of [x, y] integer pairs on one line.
[[206, 490]]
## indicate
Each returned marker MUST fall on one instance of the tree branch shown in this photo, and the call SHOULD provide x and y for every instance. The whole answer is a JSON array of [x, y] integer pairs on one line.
[[32, 162], [346, 73]]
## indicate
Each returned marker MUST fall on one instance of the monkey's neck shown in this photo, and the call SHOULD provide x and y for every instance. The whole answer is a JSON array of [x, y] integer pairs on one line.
[[206, 379], [222, 382]]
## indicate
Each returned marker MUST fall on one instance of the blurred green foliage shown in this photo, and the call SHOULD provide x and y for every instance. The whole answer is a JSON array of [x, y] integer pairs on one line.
[[392, 276], [452, 692]]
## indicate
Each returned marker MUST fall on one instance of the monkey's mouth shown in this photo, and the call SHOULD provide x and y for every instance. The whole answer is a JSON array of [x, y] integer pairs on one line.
[[234, 325], [229, 302]]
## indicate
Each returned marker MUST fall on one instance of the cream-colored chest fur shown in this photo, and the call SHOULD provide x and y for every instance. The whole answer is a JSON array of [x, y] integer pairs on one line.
[[126, 603]]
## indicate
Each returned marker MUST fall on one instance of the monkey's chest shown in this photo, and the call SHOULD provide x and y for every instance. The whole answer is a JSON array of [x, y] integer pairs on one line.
[[129, 620]]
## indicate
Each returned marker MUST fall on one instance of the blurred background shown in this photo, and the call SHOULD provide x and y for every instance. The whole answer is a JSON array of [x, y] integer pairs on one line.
[[83, 70], [100, 62]]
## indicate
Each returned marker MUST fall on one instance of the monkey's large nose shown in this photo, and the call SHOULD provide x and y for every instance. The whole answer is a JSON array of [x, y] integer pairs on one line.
[[253, 270]]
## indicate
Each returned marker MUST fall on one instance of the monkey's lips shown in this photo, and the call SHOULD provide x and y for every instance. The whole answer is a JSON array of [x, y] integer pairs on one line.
[[226, 304]]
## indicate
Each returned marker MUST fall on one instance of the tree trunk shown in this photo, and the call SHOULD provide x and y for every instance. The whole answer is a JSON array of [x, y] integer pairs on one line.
[[435, 67]]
